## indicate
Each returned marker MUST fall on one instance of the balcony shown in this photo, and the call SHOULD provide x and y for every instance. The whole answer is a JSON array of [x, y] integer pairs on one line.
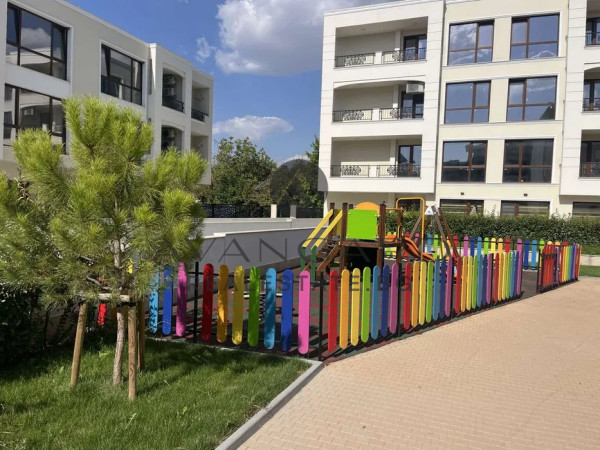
[[386, 57], [376, 171], [198, 115], [589, 170], [361, 115], [173, 103], [360, 59]]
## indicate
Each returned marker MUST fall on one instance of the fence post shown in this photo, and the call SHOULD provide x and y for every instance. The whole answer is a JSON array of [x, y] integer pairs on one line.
[[293, 211], [196, 282], [273, 211]]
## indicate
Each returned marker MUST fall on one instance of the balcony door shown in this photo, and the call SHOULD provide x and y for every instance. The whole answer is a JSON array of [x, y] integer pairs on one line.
[[415, 47], [591, 95], [590, 159], [411, 106], [592, 31], [408, 160]]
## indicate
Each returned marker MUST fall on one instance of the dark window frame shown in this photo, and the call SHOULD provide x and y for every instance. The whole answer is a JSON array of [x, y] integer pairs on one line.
[[477, 47], [586, 168], [473, 106], [524, 105], [470, 166], [106, 79], [589, 99], [597, 204], [518, 203], [19, 12], [520, 165], [592, 37], [16, 119], [528, 43], [468, 204]]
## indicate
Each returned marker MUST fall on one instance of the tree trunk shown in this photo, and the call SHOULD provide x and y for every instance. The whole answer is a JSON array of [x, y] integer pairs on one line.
[[141, 328], [81, 320], [133, 351], [118, 363]]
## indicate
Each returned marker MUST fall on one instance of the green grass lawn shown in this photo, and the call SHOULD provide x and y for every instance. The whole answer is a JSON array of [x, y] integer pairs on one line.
[[589, 271], [190, 397]]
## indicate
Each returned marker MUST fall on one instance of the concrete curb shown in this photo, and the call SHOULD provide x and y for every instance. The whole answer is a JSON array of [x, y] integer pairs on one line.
[[244, 433]]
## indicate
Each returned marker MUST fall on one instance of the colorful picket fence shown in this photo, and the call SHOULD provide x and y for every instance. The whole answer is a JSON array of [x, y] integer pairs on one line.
[[559, 264]]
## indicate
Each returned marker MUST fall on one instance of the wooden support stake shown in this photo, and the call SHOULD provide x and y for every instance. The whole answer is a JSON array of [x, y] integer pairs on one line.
[[141, 329], [133, 347], [344, 230], [81, 320]]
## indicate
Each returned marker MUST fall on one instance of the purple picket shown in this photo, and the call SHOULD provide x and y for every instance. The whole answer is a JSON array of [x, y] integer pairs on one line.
[[440, 288], [466, 246], [181, 300], [437, 282], [519, 271], [449, 276], [303, 311], [385, 299], [395, 299]]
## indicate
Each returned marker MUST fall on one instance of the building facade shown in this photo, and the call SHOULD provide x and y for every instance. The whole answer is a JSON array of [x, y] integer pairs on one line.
[[55, 50], [475, 105]]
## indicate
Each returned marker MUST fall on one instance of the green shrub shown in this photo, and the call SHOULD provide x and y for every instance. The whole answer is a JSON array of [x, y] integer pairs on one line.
[[20, 332], [583, 230]]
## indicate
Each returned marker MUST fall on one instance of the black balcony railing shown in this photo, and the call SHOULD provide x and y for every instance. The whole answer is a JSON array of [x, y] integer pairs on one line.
[[591, 104], [173, 103], [376, 171], [592, 38], [409, 112], [408, 54], [352, 115], [589, 170], [355, 60], [198, 115], [399, 170]]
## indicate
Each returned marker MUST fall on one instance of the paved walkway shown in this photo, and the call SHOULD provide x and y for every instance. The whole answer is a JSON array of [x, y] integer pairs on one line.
[[526, 375]]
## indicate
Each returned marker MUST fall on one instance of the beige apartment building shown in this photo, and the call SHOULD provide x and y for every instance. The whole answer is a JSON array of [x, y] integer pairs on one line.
[[475, 105], [55, 50]]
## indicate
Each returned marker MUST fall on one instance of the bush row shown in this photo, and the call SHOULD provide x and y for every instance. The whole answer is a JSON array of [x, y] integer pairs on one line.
[[582, 230]]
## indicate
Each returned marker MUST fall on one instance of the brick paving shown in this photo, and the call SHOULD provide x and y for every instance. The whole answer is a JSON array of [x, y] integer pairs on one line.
[[526, 375]]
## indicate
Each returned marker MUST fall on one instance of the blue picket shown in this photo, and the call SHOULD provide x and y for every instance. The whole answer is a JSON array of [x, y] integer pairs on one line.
[[479, 242], [429, 243], [534, 251], [526, 254], [270, 289], [167, 300], [153, 305], [375, 296], [287, 309]]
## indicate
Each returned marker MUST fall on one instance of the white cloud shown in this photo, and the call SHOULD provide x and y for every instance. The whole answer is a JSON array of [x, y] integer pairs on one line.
[[274, 37], [255, 127], [203, 49]]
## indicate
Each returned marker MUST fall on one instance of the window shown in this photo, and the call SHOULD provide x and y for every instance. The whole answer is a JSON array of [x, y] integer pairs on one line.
[[415, 47], [412, 106], [467, 102], [534, 37], [408, 161], [27, 109], [36, 43], [591, 95], [592, 31], [531, 99], [462, 206], [590, 159], [528, 161], [121, 76], [470, 43], [509, 208], [464, 162], [586, 209]]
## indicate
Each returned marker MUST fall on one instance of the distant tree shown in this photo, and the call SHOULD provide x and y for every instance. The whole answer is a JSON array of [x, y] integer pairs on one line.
[[101, 229], [313, 155], [240, 174]]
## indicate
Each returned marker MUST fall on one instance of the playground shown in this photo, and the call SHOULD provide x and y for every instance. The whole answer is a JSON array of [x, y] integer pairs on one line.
[[358, 287]]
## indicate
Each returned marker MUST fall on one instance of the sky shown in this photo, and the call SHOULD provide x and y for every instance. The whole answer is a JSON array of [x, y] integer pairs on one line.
[[265, 56]]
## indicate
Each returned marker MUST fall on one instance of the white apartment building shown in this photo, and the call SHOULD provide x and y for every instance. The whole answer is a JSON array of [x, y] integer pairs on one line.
[[55, 50], [472, 104]]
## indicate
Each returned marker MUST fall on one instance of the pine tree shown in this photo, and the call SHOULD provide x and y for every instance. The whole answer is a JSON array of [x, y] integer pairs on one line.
[[101, 228]]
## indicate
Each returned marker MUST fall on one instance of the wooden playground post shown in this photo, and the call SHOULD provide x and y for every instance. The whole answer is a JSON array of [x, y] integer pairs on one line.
[[76, 366], [381, 236], [343, 232]]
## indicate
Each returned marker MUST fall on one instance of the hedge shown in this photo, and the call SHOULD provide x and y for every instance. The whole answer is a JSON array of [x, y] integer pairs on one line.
[[582, 230], [20, 332]]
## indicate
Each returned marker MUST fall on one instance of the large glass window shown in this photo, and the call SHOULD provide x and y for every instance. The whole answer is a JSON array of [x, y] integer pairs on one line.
[[510, 208], [467, 102], [528, 161], [586, 209], [591, 95], [531, 99], [27, 109], [464, 162], [462, 206], [36, 43], [534, 37], [470, 43], [592, 31], [121, 76], [590, 159]]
